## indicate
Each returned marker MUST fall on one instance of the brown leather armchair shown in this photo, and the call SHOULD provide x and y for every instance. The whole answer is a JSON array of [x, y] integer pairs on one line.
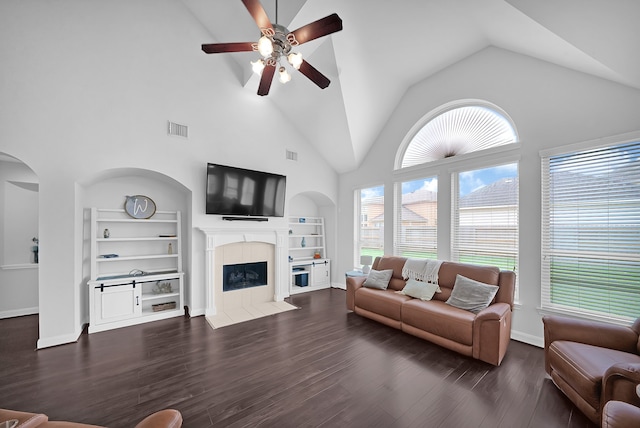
[[593, 363], [168, 418], [617, 414]]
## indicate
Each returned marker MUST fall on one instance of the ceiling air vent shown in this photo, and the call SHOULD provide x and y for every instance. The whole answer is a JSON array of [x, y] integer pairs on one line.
[[292, 155], [178, 130]]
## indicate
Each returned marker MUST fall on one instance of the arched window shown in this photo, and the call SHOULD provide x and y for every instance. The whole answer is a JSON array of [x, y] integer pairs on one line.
[[483, 191], [454, 130]]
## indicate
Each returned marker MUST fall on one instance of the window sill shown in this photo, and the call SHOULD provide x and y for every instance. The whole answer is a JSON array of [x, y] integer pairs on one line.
[[20, 266]]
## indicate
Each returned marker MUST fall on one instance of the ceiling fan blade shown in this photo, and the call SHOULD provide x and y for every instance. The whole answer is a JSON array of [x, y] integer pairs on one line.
[[212, 48], [266, 79], [321, 27], [314, 75], [259, 15]]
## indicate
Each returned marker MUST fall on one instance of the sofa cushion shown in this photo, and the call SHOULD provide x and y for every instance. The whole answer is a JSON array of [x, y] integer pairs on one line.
[[378, 279], [471, 295], [420, 290], [582, 366], [382, 302], [440, 319]]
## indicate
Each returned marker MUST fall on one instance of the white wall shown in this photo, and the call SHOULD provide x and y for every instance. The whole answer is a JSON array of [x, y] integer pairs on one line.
[[88, 87], [550, 106], [18, 225]]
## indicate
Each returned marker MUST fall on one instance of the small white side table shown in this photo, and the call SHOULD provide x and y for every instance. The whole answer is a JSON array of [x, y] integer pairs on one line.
[[354, 273]]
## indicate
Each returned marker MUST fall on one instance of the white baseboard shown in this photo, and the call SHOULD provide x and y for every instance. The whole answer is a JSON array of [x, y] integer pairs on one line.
[[19, 312], [338, 285], [527, 338], [63, 339]]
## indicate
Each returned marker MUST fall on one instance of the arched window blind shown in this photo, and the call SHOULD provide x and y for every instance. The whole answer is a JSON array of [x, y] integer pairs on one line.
[[591, 231], [458, 131]]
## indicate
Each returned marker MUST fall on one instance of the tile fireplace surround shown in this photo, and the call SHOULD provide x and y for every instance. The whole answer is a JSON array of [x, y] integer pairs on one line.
[[218, 237]]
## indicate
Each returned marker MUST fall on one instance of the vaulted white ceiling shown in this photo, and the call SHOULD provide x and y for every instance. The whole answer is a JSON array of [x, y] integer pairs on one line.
[[386, 47]]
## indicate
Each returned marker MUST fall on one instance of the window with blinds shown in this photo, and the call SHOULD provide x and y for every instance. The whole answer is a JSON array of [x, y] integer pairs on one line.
[[370, 231], [591, 231], [485, 217], [416, 219], [458, 131]]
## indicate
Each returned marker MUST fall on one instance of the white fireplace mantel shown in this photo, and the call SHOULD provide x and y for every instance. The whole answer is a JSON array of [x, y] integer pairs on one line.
[[216, 237]]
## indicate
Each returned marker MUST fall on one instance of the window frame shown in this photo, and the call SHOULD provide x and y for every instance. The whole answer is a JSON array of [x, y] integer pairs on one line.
[[359, 218], [546, 306], [454, 177]]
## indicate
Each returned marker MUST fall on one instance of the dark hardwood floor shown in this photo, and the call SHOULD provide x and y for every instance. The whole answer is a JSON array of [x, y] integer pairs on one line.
[[319, 366]]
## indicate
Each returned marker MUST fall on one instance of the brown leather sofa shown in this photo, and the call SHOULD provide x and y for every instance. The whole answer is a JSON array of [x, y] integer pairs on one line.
[[592, 362], [484, 336], [168, 418]]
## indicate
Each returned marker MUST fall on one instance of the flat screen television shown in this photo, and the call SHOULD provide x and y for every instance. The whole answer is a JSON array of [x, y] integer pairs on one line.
[[235, 191]]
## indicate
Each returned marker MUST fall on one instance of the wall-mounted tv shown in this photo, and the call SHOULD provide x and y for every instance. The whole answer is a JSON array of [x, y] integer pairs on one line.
[[243, 192]]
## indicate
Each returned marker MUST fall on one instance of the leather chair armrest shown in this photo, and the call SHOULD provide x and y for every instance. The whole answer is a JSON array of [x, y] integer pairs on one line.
[[617, 414], [593, 333], [167, 418], [353, 283], [25, 419], [620, 382]]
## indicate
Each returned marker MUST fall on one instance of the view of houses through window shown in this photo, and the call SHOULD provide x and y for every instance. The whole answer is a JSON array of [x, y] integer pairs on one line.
[[370, 237], [416, 220], [485, 217], [591, 231]]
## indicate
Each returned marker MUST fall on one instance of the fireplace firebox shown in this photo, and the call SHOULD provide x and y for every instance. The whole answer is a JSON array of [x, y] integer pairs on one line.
[[244, 275]]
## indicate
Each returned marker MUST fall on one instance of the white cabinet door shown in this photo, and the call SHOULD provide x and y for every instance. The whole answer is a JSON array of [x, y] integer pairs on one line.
[[117, 303], [320, 272]]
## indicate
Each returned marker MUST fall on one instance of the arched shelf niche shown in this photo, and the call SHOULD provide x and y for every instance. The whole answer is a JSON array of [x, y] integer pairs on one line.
[[109, 188], [316, 204]]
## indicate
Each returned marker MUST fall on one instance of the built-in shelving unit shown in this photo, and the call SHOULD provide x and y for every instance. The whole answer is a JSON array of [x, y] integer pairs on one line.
[[308, 266], [136, 268]]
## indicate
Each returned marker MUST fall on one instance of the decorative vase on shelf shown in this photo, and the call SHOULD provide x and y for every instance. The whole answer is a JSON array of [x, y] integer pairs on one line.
[[106, 233], [303, 243]]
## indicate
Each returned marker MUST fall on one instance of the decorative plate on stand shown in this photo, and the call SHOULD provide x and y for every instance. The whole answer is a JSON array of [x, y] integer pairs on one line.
[[139, 206]]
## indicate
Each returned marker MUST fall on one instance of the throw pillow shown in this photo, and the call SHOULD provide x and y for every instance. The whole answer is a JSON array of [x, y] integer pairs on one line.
[[378, 279], [471, 295], [420, 290]]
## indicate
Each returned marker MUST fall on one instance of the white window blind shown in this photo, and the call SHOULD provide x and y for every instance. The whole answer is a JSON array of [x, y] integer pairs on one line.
[[458, 131], [485, 217], [591, 232], [370, 232], [416, 218]]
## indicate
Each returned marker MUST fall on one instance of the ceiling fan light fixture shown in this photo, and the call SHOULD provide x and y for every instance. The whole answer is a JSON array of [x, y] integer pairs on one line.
[[257, 66], [295, 59], [265, 46], [284, 75]]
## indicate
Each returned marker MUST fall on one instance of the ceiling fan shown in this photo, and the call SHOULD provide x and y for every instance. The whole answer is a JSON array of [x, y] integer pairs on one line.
[[276, 43]]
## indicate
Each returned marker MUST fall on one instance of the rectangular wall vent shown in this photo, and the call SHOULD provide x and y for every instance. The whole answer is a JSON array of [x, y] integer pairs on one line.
[[178, 130], [292, 155]]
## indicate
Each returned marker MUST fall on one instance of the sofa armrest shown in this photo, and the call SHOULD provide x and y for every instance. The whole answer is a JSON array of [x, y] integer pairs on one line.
[[617, 414], [594, 333], [496, 311], [492, 333], [353, 283], [620, 382], [25, 419], [167, 418]]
